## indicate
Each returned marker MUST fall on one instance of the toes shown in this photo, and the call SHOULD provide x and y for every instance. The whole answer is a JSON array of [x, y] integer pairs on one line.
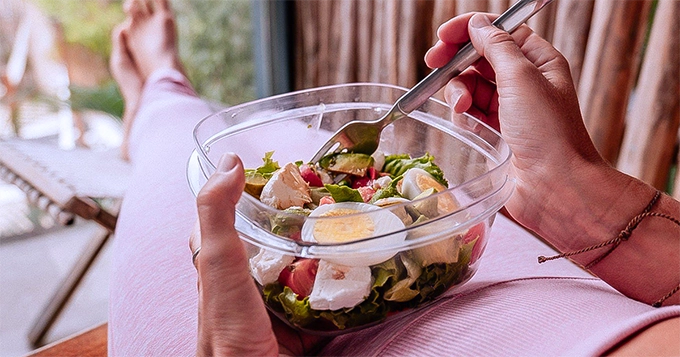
[[137, 8], [161, 5]]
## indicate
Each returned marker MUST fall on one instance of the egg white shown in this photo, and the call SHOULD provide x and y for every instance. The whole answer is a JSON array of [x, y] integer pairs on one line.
[[416, 181], [355, 254]]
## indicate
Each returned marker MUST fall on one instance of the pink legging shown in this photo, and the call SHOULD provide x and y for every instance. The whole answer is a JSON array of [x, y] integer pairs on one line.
[[512, 306]]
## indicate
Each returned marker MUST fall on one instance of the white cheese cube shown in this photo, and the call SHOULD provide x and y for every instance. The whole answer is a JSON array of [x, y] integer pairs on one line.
[[266, 265], [339, 286], [286, 188]]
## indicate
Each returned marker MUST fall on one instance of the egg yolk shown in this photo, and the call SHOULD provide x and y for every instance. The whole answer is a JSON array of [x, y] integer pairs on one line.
[[446, 203], [343, 230]]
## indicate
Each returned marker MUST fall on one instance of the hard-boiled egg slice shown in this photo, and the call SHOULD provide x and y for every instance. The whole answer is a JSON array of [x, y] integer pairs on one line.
[[339, 286], [401, 213], [266, 265], [346, 222], [416, 181]]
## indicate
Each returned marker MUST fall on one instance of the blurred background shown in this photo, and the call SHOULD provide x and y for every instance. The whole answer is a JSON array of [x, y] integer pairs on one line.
[[56, 92]]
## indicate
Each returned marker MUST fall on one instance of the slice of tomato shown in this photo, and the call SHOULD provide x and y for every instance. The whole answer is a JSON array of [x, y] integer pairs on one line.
[[299, 276], [310, 176], [476, 232]]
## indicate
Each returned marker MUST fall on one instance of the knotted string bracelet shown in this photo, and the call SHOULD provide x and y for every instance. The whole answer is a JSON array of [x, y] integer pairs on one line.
[[622, 237]]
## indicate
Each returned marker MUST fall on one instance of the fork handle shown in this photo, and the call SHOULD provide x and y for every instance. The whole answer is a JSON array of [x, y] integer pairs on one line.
[[509, 21]]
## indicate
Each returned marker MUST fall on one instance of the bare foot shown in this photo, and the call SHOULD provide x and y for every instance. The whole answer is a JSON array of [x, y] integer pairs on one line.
[[130, 81], [152, 36]]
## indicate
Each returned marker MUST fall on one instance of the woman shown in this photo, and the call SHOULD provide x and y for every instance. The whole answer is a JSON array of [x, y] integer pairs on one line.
[[565, 192]]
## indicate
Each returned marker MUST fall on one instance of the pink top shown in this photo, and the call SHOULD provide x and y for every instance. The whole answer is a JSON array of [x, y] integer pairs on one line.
[[512, 306]]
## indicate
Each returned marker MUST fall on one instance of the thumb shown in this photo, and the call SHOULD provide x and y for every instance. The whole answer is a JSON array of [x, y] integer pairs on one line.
[[498, 47], [216, 214]]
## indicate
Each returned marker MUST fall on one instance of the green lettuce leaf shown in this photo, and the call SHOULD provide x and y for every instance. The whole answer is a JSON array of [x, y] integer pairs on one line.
[[401, 290], [387, 191], [397, 165], [288, 223], [267, 169], [343, 193]]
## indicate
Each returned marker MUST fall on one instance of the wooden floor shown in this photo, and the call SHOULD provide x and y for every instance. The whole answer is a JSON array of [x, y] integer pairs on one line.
[[30, 270]]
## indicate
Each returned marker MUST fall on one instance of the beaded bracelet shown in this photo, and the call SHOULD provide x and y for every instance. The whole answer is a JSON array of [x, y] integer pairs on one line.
[[622, 237]]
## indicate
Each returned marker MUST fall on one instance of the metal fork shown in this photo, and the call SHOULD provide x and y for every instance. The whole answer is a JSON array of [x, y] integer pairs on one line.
[[364, 136]]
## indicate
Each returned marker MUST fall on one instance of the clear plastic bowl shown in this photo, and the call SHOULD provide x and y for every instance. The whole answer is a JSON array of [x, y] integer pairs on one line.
[[409, 267]]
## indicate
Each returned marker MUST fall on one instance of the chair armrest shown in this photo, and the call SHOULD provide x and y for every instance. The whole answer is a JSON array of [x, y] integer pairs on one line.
[[90, 343]]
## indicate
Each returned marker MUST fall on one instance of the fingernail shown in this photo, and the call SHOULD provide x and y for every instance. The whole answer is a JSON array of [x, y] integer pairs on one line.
[[479, 21], [455, 97], [227, 162]]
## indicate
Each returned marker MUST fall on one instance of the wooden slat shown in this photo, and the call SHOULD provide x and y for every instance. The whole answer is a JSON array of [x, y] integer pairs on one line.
[[323, 31], [544, 22], [406, 47], [364, 39], [424, 37], [299, 49], [377, 47], [91, 343], [610, 68], [463, 6], [308, 12], [344, 37], [390, 34], [651, 135], [498, 6], [570, 36], [443, 11]]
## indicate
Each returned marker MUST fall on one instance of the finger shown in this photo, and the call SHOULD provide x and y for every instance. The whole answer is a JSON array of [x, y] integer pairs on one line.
[[195, 242], [506, 58], [233, 315], [216, 211], [468, 89], [549, 61], [452, 35]]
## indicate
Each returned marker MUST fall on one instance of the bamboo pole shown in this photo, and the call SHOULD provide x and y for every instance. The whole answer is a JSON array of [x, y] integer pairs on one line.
[[406, 67], [570, 36], [543, 23], [299, 49], [424, 37], [323, 25], [498, 6], [442, 11], [463, 6], [364, 37], [344, 35], [376, 48], [390, 53], [653, 121], [609, 70], [309, 68]]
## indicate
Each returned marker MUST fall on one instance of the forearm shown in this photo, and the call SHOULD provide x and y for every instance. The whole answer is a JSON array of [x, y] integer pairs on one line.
[[597, 205]]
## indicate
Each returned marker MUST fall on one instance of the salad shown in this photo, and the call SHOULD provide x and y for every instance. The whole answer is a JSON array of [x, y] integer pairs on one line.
[[352, 193]]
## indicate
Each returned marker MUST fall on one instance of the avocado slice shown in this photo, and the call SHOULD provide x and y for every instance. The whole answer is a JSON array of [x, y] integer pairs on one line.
[[347, 163], [255, 182]]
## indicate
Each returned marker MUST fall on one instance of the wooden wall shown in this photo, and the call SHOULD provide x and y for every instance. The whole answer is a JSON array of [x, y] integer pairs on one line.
[[624, 58]]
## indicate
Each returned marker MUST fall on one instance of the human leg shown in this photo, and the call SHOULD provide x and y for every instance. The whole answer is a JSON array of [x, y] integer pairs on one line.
[[152, 308]]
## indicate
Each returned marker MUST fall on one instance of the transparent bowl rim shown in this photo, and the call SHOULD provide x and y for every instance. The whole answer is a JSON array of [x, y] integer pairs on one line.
[[254, 234]]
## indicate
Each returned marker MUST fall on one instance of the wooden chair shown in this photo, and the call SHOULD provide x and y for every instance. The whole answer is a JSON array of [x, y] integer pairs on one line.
[[65, 184], [88, 343]]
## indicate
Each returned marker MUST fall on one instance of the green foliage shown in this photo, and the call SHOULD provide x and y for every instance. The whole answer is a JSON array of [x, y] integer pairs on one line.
[[86, 22], [105, 98], [215, 43], [215, 40]]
